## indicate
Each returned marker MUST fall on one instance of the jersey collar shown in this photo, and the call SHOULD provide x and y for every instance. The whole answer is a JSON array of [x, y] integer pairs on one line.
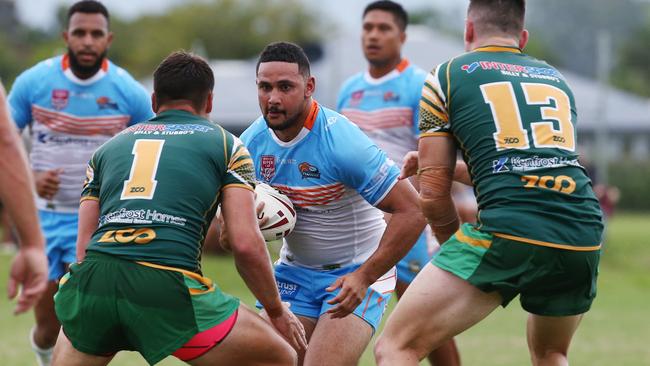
[[497, 49], [306, 127], [67, 71], [401, 66]]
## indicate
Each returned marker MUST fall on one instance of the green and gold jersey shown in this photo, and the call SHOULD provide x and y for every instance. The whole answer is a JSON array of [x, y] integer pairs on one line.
[[159, 183], [514, 118]]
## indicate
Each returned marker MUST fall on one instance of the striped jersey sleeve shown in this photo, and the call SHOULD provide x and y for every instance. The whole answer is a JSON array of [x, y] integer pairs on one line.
[[434, 117], [240, 168]]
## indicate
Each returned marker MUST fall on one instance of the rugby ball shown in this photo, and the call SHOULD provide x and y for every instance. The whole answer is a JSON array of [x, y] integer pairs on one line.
[[279, 211]]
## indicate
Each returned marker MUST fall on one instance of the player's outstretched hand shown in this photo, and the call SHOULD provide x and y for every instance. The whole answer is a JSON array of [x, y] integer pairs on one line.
[[29, 271], [410, 166], [353, 289], [289, 327]]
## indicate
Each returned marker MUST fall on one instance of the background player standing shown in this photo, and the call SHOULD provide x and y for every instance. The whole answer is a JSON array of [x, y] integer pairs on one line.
[[29, 267], [72, 104], [384, 102], [539, 225], [153, 206], [339, 258]]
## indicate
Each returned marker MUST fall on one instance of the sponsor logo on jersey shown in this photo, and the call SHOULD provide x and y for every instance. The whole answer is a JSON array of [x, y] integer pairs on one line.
[[389, 96], [524, 164], [308, 171], [267, 168], [513, 69], [499, 166], [106, 103], [469, 68], [60, 98]]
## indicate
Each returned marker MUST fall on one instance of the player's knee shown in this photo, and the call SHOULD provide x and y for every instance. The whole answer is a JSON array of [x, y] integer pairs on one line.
[[286, 355], [384, 348], [549, 356]]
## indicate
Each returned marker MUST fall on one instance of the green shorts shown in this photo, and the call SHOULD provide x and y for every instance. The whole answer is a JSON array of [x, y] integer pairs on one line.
[[106, 304], [550, 281]]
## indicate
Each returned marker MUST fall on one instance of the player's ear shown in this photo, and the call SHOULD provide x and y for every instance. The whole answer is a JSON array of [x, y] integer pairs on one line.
[[469, 34], [64, 34], [208, 104], [402, 37], [154, 103], [110, 39], [523, 38], [310, 87]]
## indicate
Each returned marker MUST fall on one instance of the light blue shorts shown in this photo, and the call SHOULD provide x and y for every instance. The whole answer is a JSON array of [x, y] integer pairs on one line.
[[305, 288], [415, 259], [60, 230]]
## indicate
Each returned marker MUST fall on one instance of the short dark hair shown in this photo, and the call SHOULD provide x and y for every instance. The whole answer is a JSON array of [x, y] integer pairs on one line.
[[183, 76], [88, 7], [400, 15], [498, 16], [285, 52]]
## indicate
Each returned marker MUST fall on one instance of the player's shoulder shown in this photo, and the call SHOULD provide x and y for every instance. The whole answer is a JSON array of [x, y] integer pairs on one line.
[[41, 69], [255, 130], [336, 129], [353, 81]]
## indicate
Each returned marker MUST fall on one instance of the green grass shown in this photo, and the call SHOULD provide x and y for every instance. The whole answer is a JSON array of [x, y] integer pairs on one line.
[[615, 332]]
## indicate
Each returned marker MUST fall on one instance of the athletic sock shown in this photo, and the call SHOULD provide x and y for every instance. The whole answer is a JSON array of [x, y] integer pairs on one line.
[[43, 356]]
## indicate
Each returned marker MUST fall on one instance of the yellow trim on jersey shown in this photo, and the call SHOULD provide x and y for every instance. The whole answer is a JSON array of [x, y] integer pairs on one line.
[[429, 108], [89, 198], [431, 134], [225, 144], [472, 241], [193, 291], [238, 185], [429, 90], [547, 244], [240, 163], [449, 84], [497, 49]]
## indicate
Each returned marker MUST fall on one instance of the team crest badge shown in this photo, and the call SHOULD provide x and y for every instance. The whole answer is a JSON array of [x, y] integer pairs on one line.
[[60, 98], [355, 98], [267, 168]]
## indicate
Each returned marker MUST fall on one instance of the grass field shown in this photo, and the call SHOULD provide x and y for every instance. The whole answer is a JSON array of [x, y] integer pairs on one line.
[[615, 332]]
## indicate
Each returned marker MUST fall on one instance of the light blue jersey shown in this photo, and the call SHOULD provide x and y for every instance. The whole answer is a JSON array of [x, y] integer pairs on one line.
[[386, 109], [71, 117], [334, 175]]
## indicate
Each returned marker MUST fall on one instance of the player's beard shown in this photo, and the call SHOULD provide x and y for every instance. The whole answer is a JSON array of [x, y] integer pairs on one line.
[[87, 71], [288, 123]]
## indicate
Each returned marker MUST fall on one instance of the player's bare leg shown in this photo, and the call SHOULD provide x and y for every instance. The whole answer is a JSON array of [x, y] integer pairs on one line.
[[447, 353], [338, 341], [309, 324], [252, 341], [45, 332], [435, 307], [549, 338], [66, 355]]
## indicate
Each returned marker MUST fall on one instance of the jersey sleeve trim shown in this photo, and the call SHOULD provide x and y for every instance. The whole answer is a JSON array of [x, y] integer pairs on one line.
[[448, 72], [238, 185], [430, 134], [547, 244], [89, 198], [381, 198]]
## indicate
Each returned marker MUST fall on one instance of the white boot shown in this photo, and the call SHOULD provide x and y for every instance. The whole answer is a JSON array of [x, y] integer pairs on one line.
[[43, 356]]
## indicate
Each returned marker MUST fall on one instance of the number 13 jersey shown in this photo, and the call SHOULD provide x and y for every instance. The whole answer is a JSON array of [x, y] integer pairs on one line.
[[514, 118]]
